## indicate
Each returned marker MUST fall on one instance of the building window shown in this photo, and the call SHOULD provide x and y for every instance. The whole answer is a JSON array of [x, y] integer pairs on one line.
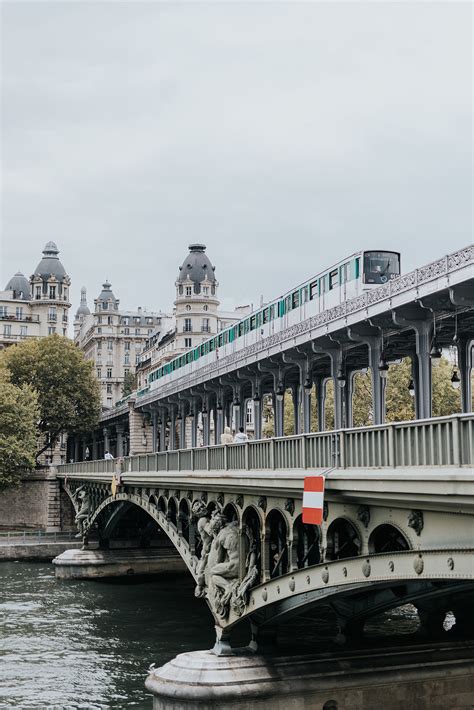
[[65, 294], [99, 373], [99, 319], [109, 373], [110, 344], [125, 321], [126, 331], [205, 308], [109, 320], [99, 330], [189, 290], [109, 389], [52, 313], [187, 343], [3, 311], [188, 307], [188, 326], [23, 331], [137, 331], [127, 359], [38, 293], [51, 330], [127, 345], [126, 371], [99, 345], [52, 291], [137, 359], [205, 325], [205, 290], [19, 312], [105, 306], [7, 329]]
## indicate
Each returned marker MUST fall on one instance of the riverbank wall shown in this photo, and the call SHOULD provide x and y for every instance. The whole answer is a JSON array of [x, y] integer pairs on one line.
[[37, 502], [35, 550]]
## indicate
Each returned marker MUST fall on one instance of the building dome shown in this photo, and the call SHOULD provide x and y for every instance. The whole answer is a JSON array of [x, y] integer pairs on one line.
[[20, 286], [106, 294], [197, 266], [83, 309], [50, 264]]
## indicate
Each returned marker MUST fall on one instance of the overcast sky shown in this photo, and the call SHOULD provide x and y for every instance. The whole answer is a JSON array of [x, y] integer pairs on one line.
[[284, 136]]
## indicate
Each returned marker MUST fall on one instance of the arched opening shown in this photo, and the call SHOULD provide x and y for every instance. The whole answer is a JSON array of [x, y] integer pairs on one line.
[[231, 513], [251, 525], [342, 540], [152, 500], [173, 512], [277, 545], [387, 538], [184, 519], [162, 505], [306, 544]]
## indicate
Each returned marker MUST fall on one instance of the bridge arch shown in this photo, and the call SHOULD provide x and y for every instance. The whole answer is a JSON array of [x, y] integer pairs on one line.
[[172, 511], [276, 543], [388, 537], [184, 518], [231, 512], [162, 505], [343, 539], [306, 548]]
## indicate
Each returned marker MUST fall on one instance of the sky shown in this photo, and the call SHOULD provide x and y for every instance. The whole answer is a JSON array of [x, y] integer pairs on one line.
[[284, 136]]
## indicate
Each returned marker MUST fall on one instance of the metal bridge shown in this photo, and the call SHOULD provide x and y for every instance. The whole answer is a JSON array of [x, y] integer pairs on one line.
[[397, 526], [415, 315]]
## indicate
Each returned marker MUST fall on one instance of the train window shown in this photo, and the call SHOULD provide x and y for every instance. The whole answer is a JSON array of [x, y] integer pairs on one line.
[[246, 325], [345, 273], [313, 290], [266, 315], [271, 312], [241, 329], [333, 279], [323, 284], [357, 268], [295, 299], [253, 322], [380, 266]]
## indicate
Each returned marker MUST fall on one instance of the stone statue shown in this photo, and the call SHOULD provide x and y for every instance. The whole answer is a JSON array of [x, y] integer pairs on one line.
[[218, 569], [82, 499], [415, 521]]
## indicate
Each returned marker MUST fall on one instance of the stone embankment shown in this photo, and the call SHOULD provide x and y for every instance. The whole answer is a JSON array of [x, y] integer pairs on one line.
[[35, 546]]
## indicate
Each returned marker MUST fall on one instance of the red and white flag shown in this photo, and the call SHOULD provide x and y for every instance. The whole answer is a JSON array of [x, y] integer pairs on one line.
[[313, 500]]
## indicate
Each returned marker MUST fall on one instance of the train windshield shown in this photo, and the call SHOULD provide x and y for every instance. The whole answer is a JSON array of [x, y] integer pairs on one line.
[[380, 266]]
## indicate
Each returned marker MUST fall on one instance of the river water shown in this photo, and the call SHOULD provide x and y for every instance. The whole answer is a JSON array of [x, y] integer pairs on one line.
[[88, 644]]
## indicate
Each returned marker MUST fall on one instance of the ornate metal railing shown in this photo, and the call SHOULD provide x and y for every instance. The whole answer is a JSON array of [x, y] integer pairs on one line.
[[443, 441]]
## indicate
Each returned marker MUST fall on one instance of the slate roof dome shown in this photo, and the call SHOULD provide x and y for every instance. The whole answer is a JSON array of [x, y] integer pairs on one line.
[[197, 265], [106, 294], [83, 309], [50, 264], [20, 286]]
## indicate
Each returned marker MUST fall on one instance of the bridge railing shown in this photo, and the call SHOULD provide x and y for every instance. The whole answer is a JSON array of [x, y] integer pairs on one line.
[[443, 441]]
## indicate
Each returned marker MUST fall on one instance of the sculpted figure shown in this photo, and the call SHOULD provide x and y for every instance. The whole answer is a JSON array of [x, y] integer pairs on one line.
[[82, 498], [222, 570], [199, 511]]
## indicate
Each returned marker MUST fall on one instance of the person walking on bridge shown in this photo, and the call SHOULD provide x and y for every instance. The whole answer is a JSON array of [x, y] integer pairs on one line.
[[226, 437], [108, 455], [241, 437]]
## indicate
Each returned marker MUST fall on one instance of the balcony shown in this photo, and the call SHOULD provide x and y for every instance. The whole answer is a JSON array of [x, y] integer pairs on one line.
[[23, 319]]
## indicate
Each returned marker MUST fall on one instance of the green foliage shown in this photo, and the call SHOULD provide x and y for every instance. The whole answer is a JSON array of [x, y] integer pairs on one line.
[[400, 406], [129, 384], [19, 414], [68, 393]]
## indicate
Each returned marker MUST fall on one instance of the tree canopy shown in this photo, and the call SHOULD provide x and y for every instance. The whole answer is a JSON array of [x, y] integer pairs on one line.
[[129, 384], [68, 393], [19, 413]]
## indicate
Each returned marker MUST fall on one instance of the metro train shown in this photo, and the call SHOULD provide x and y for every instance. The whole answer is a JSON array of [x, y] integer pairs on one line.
[[344, 280]]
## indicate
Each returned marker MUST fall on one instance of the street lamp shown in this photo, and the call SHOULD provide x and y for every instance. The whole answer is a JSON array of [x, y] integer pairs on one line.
[[411, 388], [280, 391], [383, 367], [436, 350], [455, 380], [341, 378], [307, 385]]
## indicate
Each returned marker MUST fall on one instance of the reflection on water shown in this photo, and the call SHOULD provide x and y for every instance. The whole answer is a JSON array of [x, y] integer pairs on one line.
[[84, 644]]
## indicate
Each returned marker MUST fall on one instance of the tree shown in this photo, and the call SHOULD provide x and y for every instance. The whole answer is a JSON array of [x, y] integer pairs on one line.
[[19, 413], [68, 393], [129, 384]]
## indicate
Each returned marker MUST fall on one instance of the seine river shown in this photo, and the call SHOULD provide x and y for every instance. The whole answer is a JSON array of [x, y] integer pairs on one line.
[[84, 644]]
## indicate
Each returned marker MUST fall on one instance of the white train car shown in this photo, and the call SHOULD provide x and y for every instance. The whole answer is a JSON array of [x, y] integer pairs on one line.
[[344, 280]]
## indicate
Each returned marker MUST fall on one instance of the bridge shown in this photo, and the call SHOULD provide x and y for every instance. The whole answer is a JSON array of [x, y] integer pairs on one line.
[[399, 497], [415, 316]]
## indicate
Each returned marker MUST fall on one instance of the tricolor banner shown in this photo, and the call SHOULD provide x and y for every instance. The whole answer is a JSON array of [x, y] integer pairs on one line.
[[313, 499]]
